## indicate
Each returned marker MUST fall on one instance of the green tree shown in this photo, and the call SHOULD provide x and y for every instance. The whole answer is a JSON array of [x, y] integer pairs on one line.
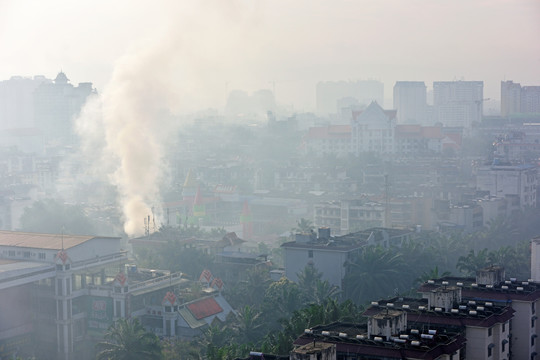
[[472, 262], [281, 299], [249, 325], [174, 349], [375, 273], [303, 226], [307, 280], [324, 291], [281, 342], [127, 340], [432, 274], [51, 216]]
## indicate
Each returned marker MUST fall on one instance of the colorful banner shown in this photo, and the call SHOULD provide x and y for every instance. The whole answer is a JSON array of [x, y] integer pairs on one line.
[[100, 314]]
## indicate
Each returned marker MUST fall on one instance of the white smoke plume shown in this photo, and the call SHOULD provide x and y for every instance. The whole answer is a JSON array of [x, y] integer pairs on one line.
[[179, 68]]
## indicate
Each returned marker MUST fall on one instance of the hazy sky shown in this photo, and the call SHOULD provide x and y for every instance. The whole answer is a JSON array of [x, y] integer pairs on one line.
[[289, 44]]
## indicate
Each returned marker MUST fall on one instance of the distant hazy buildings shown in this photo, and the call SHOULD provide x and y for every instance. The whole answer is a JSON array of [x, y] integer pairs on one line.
[[56, 104], [410, 102], [17, 102], [332, 94], [458, 103], [331, 139], [506, 180], [240, 104], [347, 216], [517, 99], [38, 111], [373, 130]]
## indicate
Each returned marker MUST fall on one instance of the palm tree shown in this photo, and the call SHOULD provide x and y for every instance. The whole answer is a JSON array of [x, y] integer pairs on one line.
[[374, 273], [324, 291], [303, 226], [128, 340], [472, 262], [249, 325], [307, 280], [433, 274]]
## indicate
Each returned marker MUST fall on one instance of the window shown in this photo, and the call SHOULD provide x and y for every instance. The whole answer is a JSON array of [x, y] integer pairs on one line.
[[503, 345], [503, 327], [533, 307], [490, 349], [490, 331], [41, 256], [11, 253], [310, 253], [26, 254]]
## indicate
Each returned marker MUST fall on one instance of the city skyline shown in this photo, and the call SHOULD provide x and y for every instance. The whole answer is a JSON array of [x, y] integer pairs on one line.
[[200, 52]]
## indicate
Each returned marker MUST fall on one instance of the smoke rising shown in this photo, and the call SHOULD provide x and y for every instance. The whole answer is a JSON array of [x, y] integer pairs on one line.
[[177, 69]]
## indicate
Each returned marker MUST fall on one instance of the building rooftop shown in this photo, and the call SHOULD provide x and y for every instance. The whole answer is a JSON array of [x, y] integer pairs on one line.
[[466, 313], [502, 291], [44, 241], [204, 307], [410, 343]]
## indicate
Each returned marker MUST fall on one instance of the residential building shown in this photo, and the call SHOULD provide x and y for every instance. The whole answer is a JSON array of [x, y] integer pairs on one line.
[[483, 325], [490, 288], [517, 99], [410, 102], [56, 105], [16, 101], [373, 130], [510, 98], [331, 139], [348, 340], [458, 103], [328, 254], [505, 179], [348, 216]]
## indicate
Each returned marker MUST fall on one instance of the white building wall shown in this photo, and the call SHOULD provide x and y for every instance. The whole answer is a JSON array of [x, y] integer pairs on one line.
[[522, 329], [477, 342], [95, 248], [509, 180], [329, 263]]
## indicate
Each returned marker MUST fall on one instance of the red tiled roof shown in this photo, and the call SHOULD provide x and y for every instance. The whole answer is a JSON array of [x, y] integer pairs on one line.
[[408, 131], [204, 308], [432, 132]]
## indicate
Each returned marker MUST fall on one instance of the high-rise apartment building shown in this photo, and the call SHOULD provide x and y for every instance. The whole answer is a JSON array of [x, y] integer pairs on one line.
[[517, 99], [410, 102], [458, 103], [56, 104], [16, 101], [510, 98]]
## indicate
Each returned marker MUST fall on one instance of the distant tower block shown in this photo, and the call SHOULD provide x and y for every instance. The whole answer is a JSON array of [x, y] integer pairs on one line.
[[246, 220], [535, 259]]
